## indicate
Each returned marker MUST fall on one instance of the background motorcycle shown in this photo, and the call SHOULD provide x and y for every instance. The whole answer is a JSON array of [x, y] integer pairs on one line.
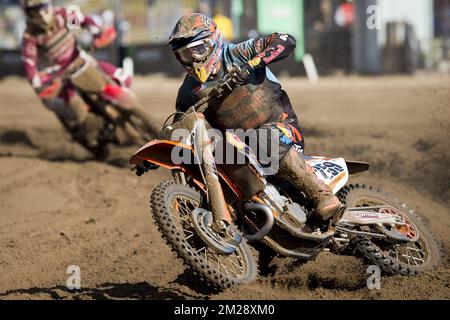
[[122, 126], [209, 213]]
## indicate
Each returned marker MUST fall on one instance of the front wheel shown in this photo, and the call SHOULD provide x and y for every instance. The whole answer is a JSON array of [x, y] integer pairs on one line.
[[424, 254], [172, 205]]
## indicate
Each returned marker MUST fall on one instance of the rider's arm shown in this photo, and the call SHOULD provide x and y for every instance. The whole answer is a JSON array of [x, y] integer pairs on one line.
[[29, 58], [40, 80], [77, 18], [260, 52], [187, 96], [103, 36]]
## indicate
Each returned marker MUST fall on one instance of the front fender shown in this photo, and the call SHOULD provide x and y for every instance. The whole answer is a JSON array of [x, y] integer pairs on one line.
[[159, 152]]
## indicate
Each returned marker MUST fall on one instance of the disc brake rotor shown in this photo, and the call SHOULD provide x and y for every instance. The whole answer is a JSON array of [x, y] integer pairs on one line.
[[408, 229], [202, 221]]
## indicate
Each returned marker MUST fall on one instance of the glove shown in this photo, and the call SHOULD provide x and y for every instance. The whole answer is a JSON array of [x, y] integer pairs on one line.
[[50, 91], [105, 38], [144, 167], [242, 75]]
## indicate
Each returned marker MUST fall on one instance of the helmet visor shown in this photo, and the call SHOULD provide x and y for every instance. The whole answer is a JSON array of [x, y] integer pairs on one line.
[[37, 11], [40, 14], [197, 51]]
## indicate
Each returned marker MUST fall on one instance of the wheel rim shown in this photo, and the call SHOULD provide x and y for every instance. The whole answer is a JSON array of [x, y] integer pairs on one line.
[[413, 254], [234, 265]]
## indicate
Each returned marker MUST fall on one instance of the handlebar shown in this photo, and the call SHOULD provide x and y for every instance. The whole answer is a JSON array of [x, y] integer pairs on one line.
[[202, 104], [216, 92]]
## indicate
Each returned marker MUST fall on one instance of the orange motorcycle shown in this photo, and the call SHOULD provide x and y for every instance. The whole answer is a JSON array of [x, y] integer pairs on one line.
[[210, 212]]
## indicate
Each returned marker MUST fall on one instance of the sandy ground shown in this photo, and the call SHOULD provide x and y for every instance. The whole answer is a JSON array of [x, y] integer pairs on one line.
[[59, 208]]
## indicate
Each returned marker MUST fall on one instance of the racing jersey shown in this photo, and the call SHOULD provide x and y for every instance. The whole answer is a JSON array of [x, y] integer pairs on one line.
[[47, 54], [260, 101]]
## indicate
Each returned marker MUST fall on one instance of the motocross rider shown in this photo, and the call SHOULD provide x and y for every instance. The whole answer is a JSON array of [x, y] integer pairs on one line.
[[50, 50], [257, 101]]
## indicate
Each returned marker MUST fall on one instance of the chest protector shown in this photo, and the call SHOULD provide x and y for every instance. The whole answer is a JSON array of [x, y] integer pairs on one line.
[[248, 106], [58, 46]]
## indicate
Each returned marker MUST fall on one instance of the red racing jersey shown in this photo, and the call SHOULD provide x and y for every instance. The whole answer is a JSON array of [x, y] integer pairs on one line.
[[48, 54]]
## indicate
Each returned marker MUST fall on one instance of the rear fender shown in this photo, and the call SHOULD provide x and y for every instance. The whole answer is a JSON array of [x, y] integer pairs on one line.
[[355, 167]]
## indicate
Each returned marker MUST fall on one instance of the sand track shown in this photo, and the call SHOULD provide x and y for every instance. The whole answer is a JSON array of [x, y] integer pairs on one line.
[[60, 208]]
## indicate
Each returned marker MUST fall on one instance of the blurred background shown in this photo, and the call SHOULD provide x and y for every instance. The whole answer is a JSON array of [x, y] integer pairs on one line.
[[341, 36], [383, 97]]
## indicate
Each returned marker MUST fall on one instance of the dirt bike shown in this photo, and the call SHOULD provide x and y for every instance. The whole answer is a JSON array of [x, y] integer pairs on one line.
[[210, 213], [121, 126]]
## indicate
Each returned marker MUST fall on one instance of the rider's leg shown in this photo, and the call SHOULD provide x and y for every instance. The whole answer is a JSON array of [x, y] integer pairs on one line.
[[118, 74], [89, 125], [75, 115], [69, 110], [93, 79], [294, 169]]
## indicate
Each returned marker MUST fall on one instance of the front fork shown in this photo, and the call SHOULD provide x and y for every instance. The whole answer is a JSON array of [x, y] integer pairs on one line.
[[204, 151]]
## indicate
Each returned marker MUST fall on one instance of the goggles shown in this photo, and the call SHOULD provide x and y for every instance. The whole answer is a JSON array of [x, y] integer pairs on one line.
[[38, 11], [196, 51]]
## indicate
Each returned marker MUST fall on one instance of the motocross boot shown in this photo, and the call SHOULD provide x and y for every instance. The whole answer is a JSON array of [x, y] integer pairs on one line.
[[294, 169]]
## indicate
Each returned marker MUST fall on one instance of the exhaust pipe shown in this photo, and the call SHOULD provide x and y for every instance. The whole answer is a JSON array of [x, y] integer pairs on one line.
[[268, 225]]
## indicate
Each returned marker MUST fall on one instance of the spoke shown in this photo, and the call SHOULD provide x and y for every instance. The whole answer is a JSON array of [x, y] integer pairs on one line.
[[414, 259], [419, 251], [187, 238], [182, 207], [218, 264], [419, 258], [407, 257], [224, 267], [182, 227], [232, 262], [199, 250], [190, 233], [227, 267], [413, 256], [183, 210], [232, 265], [185, 221]]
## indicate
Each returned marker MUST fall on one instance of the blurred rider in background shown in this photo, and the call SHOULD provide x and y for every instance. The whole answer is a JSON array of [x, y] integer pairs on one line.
[[50, 51]]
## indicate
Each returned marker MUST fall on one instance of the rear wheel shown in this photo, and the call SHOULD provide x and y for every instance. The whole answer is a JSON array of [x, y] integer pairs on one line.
[[423, 254], [172, 206]]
